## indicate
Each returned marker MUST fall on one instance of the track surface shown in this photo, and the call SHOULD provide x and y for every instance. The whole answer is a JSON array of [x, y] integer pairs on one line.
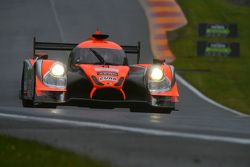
[[71, 21]]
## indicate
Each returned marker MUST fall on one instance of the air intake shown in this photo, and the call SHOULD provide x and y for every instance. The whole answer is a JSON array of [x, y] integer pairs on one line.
[[108, 94]]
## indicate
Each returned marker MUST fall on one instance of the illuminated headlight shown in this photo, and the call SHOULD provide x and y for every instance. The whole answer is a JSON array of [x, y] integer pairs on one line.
[[157, 81], [56, 77], [156, 73], [58, 70]]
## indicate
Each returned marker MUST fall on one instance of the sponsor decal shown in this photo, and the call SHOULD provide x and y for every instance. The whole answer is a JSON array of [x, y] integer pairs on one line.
[[218, 49], [218, 30], [107, 69], [107, 79], [107, 73]]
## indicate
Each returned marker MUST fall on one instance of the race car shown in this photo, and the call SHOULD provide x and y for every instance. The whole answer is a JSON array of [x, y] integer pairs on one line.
[[97, 75]]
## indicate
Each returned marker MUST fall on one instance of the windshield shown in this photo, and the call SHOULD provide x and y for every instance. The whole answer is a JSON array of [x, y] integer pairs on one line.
[[102, 56]]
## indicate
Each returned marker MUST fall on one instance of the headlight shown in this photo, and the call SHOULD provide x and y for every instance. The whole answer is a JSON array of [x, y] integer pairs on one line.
[[156, 73], [158, 82], [159, 86], [58, 70], [56, 77]]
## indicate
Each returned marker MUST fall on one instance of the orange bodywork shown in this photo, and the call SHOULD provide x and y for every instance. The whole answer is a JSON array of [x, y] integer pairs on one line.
[[173, 92], [32, 61], [47, 64], [95, 43], [101, 76], [41, 88]]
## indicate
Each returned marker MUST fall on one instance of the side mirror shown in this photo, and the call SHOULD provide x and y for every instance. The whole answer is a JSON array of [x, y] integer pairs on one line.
[[159, 62], [41, 55]]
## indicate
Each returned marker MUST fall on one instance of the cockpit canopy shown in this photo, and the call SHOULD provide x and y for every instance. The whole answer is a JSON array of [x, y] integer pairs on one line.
[[100, 56], [97, 50]]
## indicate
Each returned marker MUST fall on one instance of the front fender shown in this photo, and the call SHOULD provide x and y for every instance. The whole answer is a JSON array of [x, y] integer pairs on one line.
[[43, 90], [173, 92]]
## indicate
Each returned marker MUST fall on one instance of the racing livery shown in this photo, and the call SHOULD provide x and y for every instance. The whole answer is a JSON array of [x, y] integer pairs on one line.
[[97, 74]]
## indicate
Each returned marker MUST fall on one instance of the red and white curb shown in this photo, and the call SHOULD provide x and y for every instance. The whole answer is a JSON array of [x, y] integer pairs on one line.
[[163, 16]]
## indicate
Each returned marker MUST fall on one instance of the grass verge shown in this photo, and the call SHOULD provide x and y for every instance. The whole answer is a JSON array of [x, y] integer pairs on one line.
[[17, 152], [224, 79]]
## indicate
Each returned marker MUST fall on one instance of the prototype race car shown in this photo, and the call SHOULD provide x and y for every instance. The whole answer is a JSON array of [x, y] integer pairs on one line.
[[97, 75]]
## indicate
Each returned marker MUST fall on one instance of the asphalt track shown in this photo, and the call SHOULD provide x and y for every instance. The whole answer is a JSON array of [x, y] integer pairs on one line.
[[199, 134]]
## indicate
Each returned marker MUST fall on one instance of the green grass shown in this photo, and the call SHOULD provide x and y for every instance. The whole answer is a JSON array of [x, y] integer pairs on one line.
[[227, 81], [16, 153]]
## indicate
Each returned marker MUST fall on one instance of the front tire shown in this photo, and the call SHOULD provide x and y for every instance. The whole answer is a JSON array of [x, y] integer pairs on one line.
[[27, 103], [45, 105], [150, 109]]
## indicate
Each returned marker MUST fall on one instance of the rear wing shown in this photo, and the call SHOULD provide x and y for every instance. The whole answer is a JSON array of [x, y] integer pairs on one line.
[[69, 46]]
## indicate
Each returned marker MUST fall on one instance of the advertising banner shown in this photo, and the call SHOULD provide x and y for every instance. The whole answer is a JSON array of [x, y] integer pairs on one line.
[[218, 49], [218, 30]]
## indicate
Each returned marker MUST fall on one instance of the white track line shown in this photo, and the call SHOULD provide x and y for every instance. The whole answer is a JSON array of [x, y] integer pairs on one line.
[[52, 3], [155, 132], [207, 99]]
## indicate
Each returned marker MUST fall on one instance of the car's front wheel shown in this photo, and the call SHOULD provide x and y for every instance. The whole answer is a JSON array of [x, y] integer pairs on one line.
[[46, 105], [27, 103], [150, 109]]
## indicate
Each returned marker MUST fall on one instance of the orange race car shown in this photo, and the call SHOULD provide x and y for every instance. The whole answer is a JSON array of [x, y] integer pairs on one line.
[[97, 75]]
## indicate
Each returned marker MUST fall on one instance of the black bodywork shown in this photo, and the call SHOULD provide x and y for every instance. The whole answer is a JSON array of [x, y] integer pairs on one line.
[[134, 86]]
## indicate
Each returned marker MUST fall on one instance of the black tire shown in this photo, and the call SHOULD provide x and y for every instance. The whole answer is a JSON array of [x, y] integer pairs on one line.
[[150, 109], [25, 102], [46, 105]]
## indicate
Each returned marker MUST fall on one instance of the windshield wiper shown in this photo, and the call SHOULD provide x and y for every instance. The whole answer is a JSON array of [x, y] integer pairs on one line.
[[98, 56]]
